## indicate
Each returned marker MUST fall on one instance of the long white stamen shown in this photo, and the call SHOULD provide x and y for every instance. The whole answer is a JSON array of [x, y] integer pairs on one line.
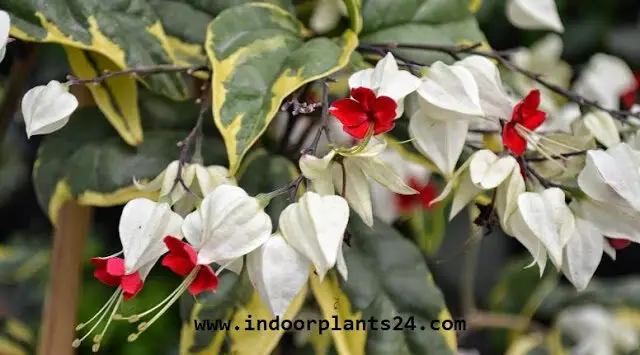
[[136, 317], [168, 302], [115, 298], [111, 299], [98, 338]]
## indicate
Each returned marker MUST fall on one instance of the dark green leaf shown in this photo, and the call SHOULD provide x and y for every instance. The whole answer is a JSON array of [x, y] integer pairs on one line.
[[127, 32], [256, 70], [91, 162], [233, 291], [388, 278], [436, 22], [265, 173]]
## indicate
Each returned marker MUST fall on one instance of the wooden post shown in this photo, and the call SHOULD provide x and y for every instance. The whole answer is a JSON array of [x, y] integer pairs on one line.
[[61, 304]]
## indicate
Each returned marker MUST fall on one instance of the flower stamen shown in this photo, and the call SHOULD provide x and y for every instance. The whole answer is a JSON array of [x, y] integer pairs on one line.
[[167, 303], [108, 307]]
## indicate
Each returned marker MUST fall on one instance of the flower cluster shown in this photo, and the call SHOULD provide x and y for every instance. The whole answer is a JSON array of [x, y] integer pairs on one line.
[[228, 227]]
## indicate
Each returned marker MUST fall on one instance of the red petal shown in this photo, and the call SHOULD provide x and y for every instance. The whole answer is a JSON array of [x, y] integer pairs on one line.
[[181, 258], [384, 114], [629, 98], [358, 132], [131, 285], [205, 280], [102, 274], [382, 128], [348, 112], [427, 194], [366, 97], [531, 101], [534, 120], [618, 243], [512, 140]]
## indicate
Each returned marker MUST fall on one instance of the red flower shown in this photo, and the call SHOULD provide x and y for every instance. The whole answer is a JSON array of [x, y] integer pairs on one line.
[[182, 259], [363, 110], [110, 271], [406, 203], [527, 115], [618, 243], [629, 98]]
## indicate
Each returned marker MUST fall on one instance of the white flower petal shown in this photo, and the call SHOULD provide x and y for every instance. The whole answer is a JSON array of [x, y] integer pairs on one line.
[[143, 226], [561, 215], [381, 172], [319, 172], [315, 227], [233, 224], [192, 229], [561, 120], [357, 189], [233, 265], [604, 80], [5, 26], [384, 70], [493, 98], [450, 92], [464, 194], [47, 108], [601, 125], [544, 219], [612, 176], [440, 141], [507, 197], [612, 221], [534, 15], [278, 272], [362, 78], [488, 171], [383, 202], [528, 239], [582, 254]]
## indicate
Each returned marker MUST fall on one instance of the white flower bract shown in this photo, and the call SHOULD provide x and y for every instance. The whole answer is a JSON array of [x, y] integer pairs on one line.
[[143, 225], [229, 224], [47, 108], [534, 15]]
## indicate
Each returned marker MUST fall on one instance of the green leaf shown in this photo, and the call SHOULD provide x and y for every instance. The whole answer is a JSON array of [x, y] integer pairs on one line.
[[609, 293], [233, 291], [264, 173], [130, 35], [436, 22], [16, 338], [117, 97], [520, 291], [186, 33], [388, 278], [428, 227], [253, 72], [87, 161]]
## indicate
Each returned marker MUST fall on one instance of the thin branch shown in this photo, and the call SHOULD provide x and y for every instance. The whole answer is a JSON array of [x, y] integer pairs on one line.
[[139, 71], [501, 57], [194, 134]]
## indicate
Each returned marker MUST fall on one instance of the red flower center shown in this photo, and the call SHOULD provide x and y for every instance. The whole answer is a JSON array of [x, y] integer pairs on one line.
[[527, 115], [364, 110], [110, 271], [182, 260], [618, 244], [630, 97], [407, 203]]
